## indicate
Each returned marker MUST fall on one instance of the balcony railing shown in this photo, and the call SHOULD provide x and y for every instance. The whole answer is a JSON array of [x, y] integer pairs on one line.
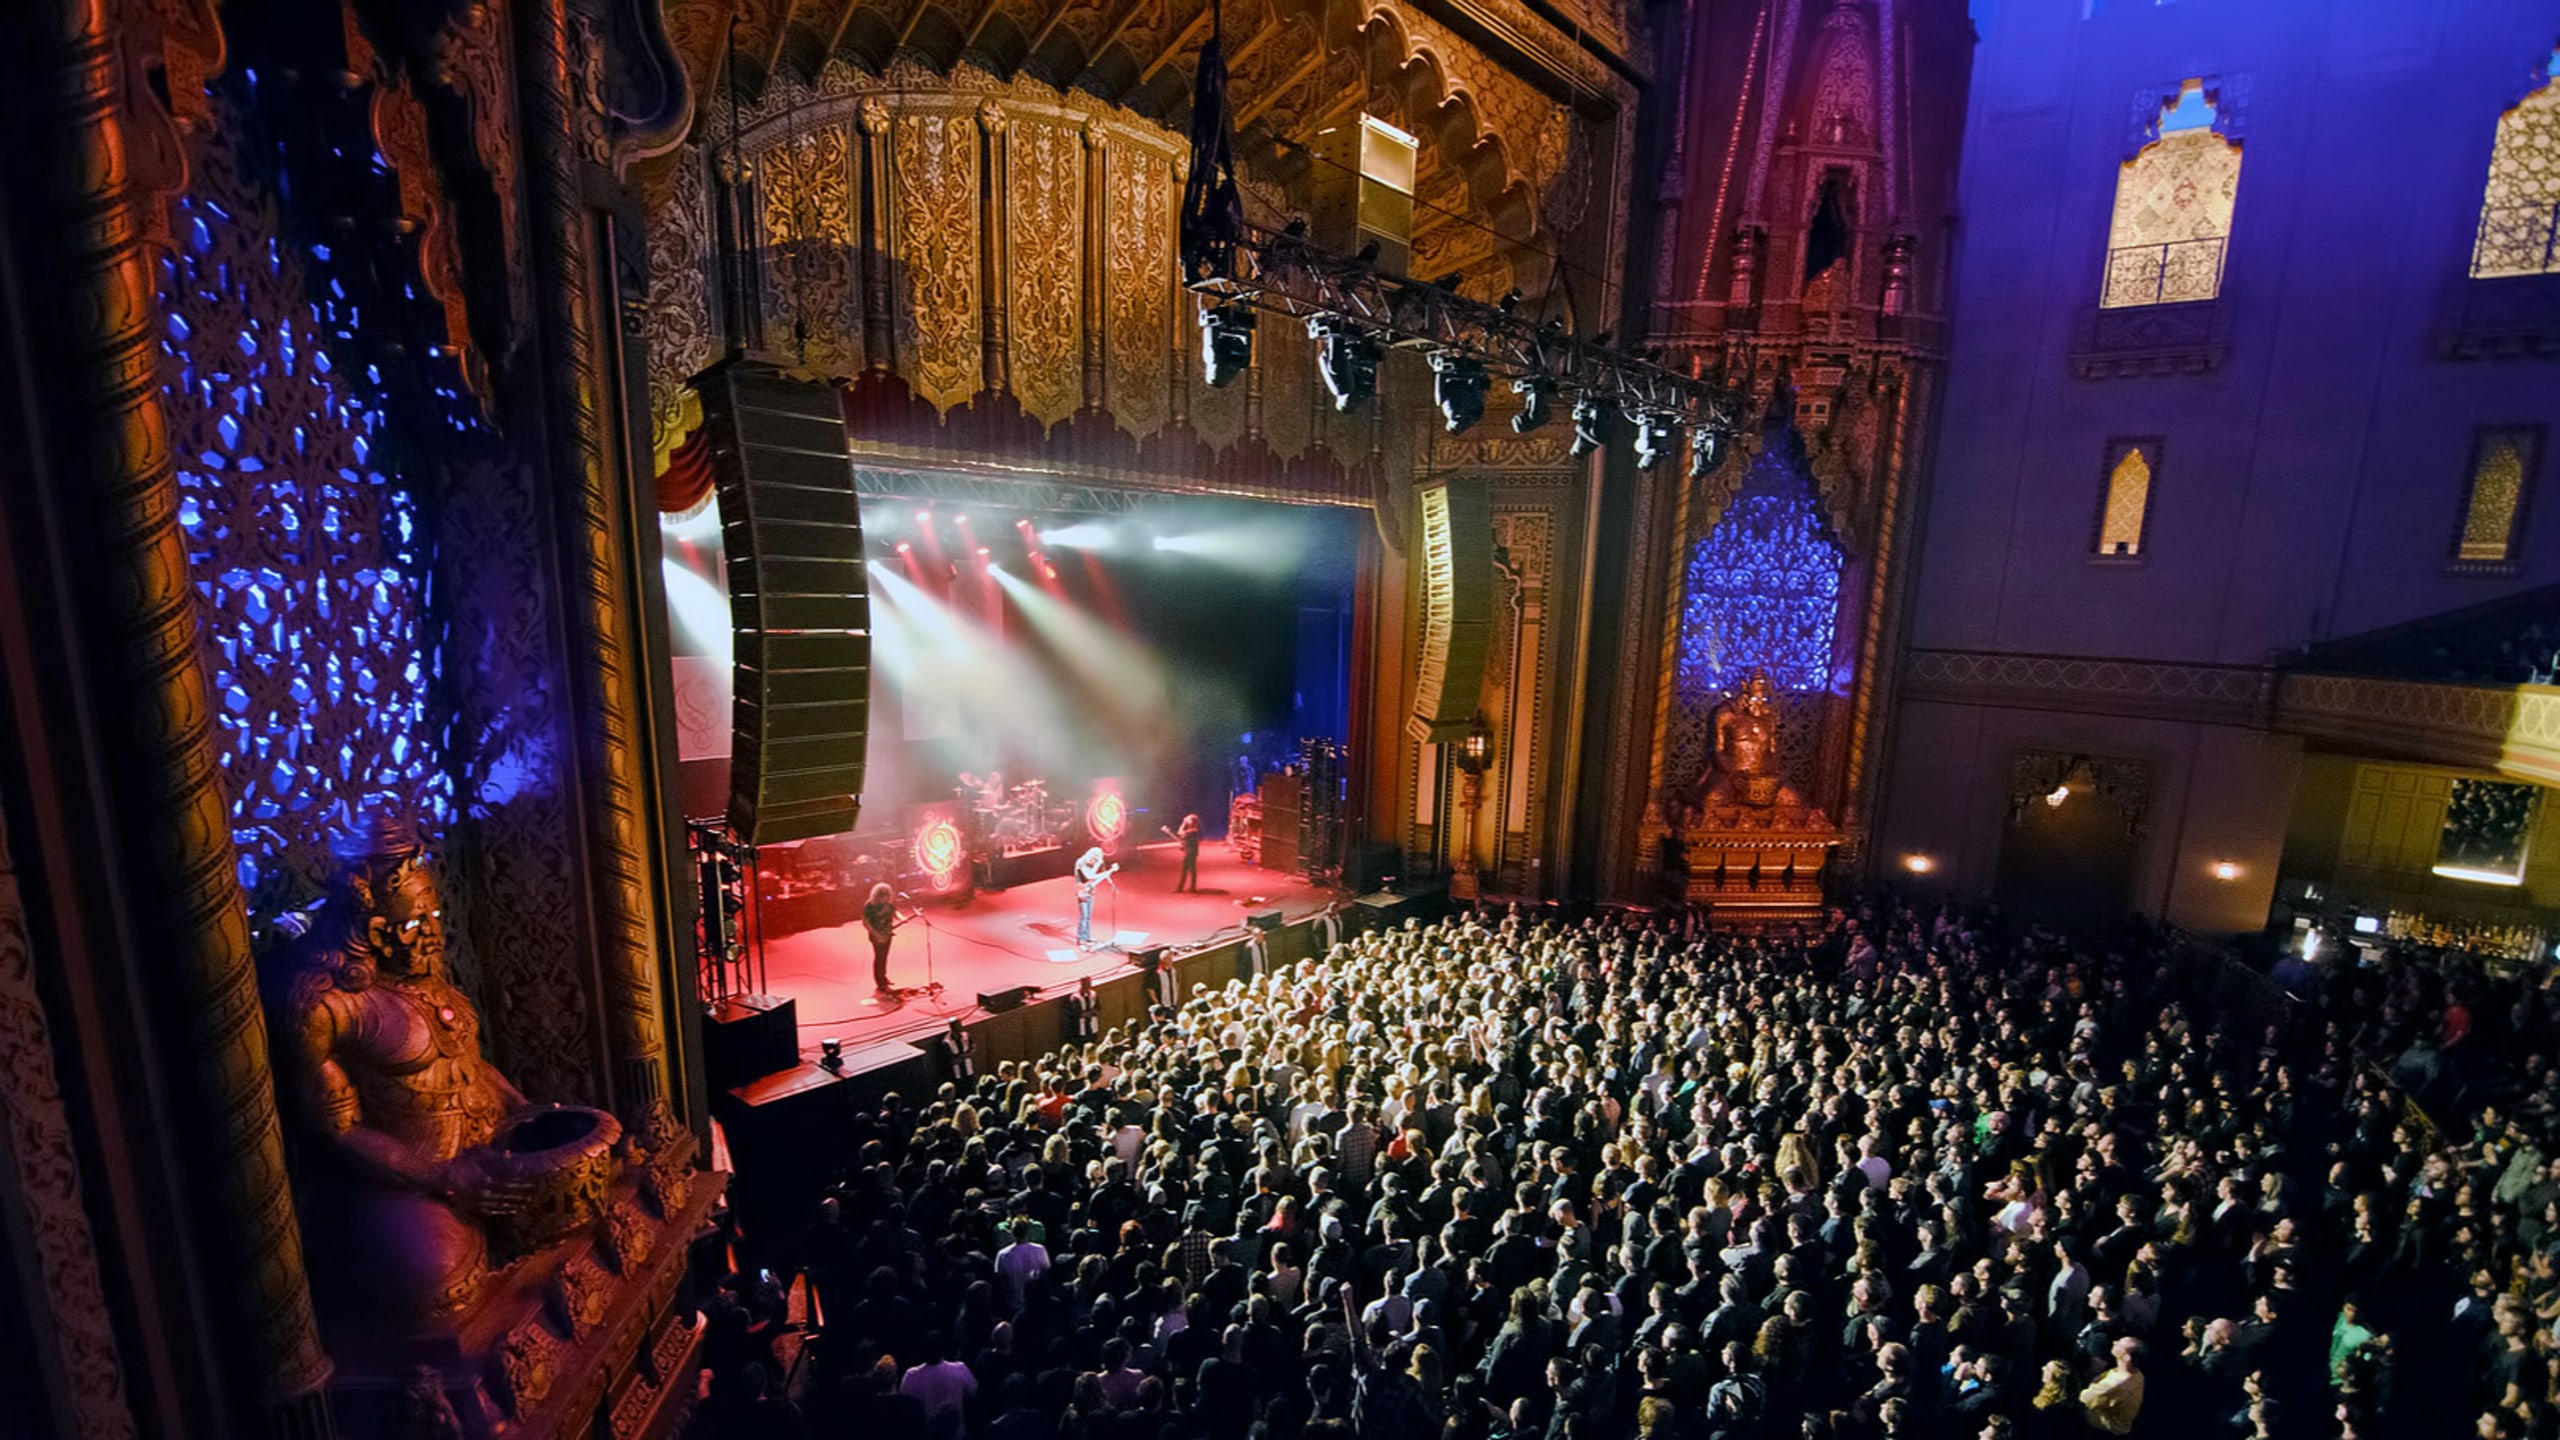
[[2168, 274], [2518, 239]]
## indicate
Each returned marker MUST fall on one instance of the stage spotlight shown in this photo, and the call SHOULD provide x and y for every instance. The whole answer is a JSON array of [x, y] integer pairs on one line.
[[1226, 342], [1537, 402], [982, 552], [1706, 451], [1653, 438], [1459, 387], [1348, 358], [1590, 425], [904, 547], [1918, 864], [924, 517]]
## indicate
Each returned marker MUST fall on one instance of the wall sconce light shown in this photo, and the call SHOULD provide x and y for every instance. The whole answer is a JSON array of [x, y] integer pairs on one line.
[[2225, 870], [1918, 864], [2057, 795]]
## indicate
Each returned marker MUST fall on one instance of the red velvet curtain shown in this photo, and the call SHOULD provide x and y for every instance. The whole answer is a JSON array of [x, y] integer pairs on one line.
[[687, 478]]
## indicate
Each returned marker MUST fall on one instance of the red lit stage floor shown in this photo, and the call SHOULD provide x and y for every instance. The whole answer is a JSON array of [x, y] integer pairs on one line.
[[1022, 936]]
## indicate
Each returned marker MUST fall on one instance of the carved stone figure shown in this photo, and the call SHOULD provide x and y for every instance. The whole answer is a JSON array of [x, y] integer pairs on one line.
[[1745, 769], [424, 1148]]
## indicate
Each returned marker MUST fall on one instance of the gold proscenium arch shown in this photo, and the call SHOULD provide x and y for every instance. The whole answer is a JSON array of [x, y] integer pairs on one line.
[[1489, 138]]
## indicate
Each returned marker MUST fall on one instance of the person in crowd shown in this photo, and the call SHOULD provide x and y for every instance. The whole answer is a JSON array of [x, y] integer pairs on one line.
[[1518, 1176]]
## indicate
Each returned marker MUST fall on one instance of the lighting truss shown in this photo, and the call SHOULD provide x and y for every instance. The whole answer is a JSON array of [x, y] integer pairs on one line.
[[995, 493], [1284, 272]]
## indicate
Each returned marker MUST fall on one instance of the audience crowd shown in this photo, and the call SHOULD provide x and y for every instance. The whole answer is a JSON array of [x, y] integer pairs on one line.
[[1911, 1175]]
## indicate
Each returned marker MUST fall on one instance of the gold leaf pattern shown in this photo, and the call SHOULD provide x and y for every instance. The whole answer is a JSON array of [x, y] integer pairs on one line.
[[1141, 271], [677, 325], [934, 245], [2524, 186], [809, 245], [1046, 221]]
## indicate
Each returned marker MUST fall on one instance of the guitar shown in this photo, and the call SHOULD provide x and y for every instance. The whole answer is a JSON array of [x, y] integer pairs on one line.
[[1085, 888]]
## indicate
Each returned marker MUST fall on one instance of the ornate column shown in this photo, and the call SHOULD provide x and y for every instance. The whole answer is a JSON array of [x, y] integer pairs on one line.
[[593, 476], [169, 782]]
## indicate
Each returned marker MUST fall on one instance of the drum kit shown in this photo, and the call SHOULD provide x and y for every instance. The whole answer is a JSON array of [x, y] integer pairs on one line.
[[1014, 819]]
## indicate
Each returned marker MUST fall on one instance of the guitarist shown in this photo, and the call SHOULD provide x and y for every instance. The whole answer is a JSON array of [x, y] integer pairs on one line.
[[1092, 869], [880, 921], [1188, 834]]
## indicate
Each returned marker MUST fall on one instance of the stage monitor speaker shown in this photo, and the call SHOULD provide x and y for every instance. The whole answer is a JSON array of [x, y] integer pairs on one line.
[[1268, 920], [799, 602], [996, 1002], [1370, 865], [747, 1037], [1457, 608], [1148, 958], [786, 1132]]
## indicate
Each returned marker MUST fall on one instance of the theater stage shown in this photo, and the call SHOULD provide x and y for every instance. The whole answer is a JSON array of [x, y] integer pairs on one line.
[[1022, 936]]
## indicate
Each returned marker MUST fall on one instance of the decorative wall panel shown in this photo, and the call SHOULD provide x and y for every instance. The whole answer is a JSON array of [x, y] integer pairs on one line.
[[306, 547], [1045, 232], [678, 327], [934, 248], [1138, 286], [38, 1164], [511, 853], [808, 214]]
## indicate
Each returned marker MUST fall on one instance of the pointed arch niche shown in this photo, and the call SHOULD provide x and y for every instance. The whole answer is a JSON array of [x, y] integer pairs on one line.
[[1761, 589]]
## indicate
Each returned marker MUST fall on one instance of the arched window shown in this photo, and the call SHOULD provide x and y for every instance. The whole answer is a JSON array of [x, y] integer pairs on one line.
[[2520, 208], [2173, 209], [2502, 463], [2127, 502]]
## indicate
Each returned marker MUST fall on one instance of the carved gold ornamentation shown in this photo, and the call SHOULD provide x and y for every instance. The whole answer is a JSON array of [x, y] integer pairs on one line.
[[808, 214], [628, 1236], [586, 68], [38, 1165], [400, 132], [1139, 271], [602, 629], [1046, 232], [528, 1362], [934, 240], [677, 325], [582, 1293]]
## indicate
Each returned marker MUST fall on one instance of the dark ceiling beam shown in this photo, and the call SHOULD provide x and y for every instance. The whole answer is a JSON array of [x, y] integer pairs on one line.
[[1119, 27], [835, 36], [1250, 113], [1048, 27], [1191, 35], [781, 33], [978, 27], [907, 31]]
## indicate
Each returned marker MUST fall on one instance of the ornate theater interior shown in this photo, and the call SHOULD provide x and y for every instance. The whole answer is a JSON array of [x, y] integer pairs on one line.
[[1148, 719]]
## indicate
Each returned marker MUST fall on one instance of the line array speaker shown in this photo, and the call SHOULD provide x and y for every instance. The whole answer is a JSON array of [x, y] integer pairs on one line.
[[799, 602], [1457, 608]]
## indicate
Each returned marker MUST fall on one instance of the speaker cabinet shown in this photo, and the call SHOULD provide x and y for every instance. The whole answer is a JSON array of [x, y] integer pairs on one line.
[[799, 602], [1457, 608]]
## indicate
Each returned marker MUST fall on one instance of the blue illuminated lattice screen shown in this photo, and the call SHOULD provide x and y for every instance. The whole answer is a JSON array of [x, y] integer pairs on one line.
[[1763, 587], [307, 551]]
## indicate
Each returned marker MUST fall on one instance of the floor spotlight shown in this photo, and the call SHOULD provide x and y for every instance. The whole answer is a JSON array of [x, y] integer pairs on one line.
[[1459, 387], [1226, 342], [1348, 357], [1537, 402], [1590, 424]]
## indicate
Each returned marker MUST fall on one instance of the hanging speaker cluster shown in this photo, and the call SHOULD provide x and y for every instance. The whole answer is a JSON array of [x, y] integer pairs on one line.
[[799, 602]]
